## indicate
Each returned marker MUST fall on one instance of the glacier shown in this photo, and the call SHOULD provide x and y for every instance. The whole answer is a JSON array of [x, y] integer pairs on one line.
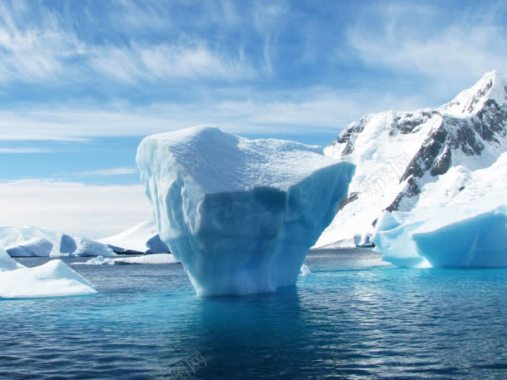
[[460, 220], [239, 214], [52, 279]]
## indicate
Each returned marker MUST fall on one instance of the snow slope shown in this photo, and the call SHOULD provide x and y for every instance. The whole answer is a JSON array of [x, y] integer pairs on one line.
[[398, 155], [239, 214], [51, 279], [141, 238], [32, 241]]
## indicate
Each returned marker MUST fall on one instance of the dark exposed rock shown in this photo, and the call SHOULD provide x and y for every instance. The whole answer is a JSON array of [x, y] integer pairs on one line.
[[411, 190], [442, 163], [349, 135], [453, 134], [408, 122], [351, 197]]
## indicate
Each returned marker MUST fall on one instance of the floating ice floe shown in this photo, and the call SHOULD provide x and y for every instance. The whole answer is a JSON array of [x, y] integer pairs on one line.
[[239, 214], [305, 270], [52, 279], [153, 259]]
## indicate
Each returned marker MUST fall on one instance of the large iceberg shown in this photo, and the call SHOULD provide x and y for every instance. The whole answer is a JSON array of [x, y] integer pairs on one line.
[[239, 214], [459, 221], [52, 279]]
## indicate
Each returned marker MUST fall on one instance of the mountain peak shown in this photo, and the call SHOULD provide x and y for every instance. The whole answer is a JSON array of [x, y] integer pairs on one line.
[[492, 86]]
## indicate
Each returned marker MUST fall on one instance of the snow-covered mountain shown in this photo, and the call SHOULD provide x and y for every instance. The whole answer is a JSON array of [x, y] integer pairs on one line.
[[401, 155]]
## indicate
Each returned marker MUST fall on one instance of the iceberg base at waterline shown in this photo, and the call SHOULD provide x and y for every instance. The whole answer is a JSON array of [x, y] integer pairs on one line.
[[52, 279]]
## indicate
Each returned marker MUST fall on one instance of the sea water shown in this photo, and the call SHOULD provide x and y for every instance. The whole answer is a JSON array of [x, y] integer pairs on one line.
[[351, 318]]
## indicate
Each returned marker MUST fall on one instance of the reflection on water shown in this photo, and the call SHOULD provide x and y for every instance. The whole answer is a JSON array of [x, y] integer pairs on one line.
[[351, 318]]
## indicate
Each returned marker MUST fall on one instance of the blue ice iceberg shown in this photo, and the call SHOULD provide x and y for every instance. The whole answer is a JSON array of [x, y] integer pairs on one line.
[[477, 241], [480, 241], [462, 228], [239, 214]]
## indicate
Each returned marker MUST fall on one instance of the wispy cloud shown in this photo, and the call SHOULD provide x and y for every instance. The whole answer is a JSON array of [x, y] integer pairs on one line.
[[413, 39], [24, 150], [138, 62], [319, 110], [38, 45], [33, 49], [124, 170]]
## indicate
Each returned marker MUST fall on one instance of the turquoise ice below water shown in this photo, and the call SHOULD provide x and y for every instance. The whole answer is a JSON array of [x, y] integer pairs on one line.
[[348, 319]]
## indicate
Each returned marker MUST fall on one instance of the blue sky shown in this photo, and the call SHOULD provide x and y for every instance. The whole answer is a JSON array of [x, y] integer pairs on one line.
[[81, 82]]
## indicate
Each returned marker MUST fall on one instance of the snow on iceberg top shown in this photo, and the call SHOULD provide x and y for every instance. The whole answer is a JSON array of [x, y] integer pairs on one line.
[[51, 279], [7, 263], [492, 85], [222, 162]]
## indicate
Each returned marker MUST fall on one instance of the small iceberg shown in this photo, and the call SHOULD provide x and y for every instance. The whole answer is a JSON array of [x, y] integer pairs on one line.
[[305, 270], [52, 279]]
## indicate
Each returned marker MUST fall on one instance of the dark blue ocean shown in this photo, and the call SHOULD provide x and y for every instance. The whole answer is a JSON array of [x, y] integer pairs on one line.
[[349, 319]]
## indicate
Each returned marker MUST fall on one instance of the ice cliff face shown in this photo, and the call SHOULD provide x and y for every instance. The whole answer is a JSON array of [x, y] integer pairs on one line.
[[399, 155], [239, 214]]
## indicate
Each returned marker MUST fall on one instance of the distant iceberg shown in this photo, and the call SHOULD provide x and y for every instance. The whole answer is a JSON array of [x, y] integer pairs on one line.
[[456, 223], [36, 242], [142, 238], [52, 279], [239, 214]]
